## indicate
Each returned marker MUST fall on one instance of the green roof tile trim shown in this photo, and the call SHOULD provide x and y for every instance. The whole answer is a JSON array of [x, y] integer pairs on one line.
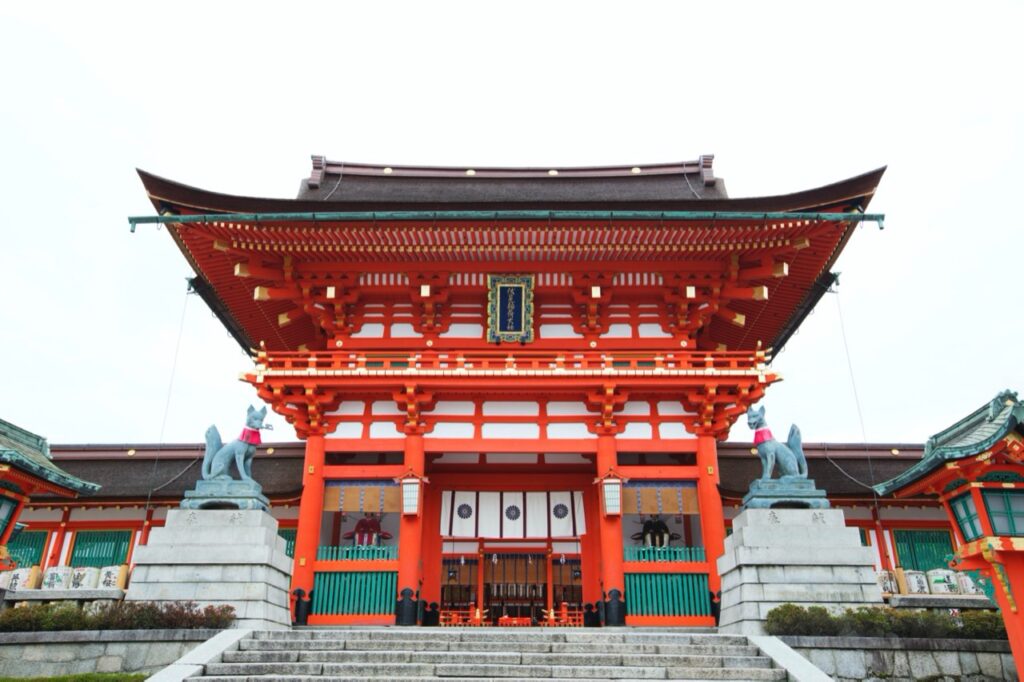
[[31, 453], [970, 436]]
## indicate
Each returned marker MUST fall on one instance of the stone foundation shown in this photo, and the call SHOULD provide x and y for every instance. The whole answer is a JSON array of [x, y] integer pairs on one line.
[[878, 659], [46, 654], [216, 557], [798, 556]]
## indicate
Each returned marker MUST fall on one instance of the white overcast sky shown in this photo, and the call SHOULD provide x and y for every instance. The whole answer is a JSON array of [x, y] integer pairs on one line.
[[235, 97]]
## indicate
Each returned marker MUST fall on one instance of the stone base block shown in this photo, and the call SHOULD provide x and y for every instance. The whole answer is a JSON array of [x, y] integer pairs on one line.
[[217, 557], [797, 556], [787, 492], [226, 494]]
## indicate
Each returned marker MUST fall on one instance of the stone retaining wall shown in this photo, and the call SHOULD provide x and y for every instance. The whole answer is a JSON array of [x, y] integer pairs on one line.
[[852, 659], [38, 654]]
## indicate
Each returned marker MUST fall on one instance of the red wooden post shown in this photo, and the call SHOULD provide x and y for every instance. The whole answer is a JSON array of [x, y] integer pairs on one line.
[[53, 559], [410, 529], [611, 528], [311, 512], [709, 500]]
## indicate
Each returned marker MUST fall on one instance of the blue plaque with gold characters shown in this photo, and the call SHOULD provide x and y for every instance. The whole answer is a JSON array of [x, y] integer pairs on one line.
[[510, 308]]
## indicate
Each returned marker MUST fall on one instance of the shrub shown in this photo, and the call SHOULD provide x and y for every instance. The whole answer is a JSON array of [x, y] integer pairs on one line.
[[864, 622], [115, 616], [928, 624], [983, 625], [788, 619]]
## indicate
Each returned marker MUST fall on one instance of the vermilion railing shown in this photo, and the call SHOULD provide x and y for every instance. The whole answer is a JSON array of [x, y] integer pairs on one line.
[[519, 361]]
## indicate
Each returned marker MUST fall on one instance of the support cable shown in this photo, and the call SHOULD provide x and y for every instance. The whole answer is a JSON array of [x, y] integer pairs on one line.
[[167, 405]]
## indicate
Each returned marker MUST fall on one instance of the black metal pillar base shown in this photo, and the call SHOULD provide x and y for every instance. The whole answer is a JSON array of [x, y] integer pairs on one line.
[[406, 608], [615, 609], [302, 606]]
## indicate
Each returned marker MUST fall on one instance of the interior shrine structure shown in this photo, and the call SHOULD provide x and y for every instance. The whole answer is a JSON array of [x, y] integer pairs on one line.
[[511, 387]]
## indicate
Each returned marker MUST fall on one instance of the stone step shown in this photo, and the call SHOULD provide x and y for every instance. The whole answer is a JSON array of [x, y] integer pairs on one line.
[[379, 670], [524, 647], [495, 658], [505, 634]]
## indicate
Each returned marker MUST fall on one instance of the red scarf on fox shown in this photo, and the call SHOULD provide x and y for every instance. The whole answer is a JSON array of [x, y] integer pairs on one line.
[[250, 436]]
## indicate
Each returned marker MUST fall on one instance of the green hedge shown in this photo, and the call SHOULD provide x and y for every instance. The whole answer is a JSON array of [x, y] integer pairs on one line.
[[123, 615], [790, 619]]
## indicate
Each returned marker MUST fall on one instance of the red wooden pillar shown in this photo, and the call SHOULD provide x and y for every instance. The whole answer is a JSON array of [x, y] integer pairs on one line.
[[709, 500], [410, 539], [613, 581], [147, 525], [1008, 598], [53, 559], [590, 548], [431, 553], [883, 546], [311, 513], [13, 518]]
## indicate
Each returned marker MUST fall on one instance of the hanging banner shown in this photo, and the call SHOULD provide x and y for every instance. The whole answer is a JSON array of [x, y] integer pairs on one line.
[[512, 514]]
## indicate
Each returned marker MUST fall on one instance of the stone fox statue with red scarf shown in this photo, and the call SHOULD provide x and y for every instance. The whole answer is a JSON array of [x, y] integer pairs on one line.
[[218, 458], [789, 455]]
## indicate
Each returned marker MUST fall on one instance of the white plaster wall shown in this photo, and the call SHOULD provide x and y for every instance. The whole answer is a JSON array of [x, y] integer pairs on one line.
[[673, 430], [568, 430], [618, 331], [463, 330], [370, 330], [404, 330], [652, 330], [511, 430], [636, 408], [636, 430], [348, 430], [558, 331], [40, 515], [511, 458], [453, 407], [384, 430], [453, 430], [386, 407], [350, 407], [671, 408], [566, 409], [494, 408]]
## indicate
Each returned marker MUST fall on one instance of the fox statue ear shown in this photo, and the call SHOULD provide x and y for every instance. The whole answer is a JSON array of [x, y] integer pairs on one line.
[[250, 410], [263, 412], [760, 411]]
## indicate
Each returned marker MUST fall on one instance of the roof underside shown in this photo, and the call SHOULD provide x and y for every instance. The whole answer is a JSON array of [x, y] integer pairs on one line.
[[177, 468], [386, 240]]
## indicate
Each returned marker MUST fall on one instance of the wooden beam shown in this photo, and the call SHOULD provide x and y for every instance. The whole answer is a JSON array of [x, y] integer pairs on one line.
[[758, 293]]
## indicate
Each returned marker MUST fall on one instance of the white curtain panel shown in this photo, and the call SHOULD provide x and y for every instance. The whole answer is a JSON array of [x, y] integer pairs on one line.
[[512, 514]]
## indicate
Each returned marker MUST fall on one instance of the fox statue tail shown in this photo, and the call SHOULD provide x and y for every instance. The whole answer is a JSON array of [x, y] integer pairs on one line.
[[213, 446], [795, 443]]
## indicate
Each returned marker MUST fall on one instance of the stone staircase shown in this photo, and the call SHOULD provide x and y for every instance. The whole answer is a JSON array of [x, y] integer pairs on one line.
[[490, 653]]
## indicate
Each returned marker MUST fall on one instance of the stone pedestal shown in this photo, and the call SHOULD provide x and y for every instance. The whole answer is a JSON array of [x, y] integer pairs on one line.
[[217, 557], [788, 492], [226, 494], [799, 556]]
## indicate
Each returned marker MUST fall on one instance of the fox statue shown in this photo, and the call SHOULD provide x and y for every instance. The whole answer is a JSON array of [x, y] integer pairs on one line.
[[788, 455], [218, 458]]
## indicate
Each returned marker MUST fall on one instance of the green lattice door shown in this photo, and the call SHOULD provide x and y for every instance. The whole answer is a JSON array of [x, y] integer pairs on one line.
[[27, 549], [100, 547], [923, 550], [289, 537]]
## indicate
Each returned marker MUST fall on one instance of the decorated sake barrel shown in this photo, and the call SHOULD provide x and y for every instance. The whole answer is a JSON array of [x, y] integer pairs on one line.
[[113, 577], [967, 584], [887, 582], [25, 578], [942, 581], [85, 578], [57, 578], [5, 579], [917, 582]]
